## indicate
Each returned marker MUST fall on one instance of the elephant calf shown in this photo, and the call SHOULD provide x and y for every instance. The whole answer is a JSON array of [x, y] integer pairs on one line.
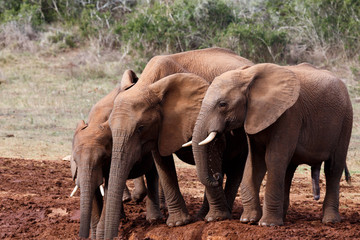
[[292, 115]]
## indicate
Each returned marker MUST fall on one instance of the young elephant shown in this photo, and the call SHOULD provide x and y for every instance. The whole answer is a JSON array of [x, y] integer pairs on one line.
[[292, 115], [90, 162]]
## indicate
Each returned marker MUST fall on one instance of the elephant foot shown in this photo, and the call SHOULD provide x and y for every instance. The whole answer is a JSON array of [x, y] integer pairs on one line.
[[138, 196], [331, 217], [178, 219], [271, 221], [154, 216], [93, 234], [202, 212], [217, 215], [100, 234], [250, 216]]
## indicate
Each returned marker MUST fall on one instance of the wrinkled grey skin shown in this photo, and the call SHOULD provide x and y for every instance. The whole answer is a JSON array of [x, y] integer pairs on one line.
[[138, 122], [292, 115], [90, 164]]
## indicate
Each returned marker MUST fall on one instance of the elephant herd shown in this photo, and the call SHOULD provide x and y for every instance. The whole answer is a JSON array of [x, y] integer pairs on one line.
[[241, 120]]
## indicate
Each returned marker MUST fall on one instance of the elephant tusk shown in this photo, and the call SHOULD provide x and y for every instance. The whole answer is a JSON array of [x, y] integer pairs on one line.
[[211, 137], [187, 144], [74, 191], [232, 133], [67, 158], [102, 190]]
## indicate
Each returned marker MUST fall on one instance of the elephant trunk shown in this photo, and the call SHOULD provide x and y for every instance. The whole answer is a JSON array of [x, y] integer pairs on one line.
[[119, 171], [87, 191], [201, 155]]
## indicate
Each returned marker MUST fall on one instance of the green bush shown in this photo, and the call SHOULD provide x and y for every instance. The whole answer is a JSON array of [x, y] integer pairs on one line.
[[333, 25], [261, 30], [181, 26], [254, 41], [25, 13]]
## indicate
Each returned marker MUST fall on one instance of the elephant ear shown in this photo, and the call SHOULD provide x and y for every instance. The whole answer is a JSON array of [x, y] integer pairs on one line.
[[272, 90], [129, 78], [81, 125], [180, 96]]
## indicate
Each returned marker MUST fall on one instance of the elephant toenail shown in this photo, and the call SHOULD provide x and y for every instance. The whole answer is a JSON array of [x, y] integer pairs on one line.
[[272, 225], [178, 223], [170, 224], [243, 220]]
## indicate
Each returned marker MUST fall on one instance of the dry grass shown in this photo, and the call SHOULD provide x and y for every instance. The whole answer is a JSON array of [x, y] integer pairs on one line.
[[43, 96]]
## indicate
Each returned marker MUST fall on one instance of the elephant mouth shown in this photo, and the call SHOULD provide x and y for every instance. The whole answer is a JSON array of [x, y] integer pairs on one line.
[[101, 187]]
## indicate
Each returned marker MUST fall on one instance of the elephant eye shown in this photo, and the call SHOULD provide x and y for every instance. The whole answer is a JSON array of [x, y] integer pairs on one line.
[[222, 104], [140, 128]]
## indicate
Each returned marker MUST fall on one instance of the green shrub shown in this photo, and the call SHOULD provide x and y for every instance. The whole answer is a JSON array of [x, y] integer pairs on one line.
[[26, 13], [254, 41], [261, 30], [332, 25], [181, 26], [57, 37]]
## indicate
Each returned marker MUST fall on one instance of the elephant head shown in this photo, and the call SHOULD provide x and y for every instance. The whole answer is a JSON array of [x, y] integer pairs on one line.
[[160, 117], [91, 152], [250, 97]]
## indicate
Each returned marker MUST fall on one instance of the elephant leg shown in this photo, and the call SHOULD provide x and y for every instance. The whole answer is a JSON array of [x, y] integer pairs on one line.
[[127, 195], [277, 159], [204, 209], [152, 202], [97, 206], [162, 197], [333, 171], [288, 179], [234, 174], [100, 229], [254, 173], [315, 177], [178, 214], [218, 205], [139, 192]]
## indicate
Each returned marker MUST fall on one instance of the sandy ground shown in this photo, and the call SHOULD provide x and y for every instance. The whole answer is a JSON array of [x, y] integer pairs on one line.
[[35, 204]]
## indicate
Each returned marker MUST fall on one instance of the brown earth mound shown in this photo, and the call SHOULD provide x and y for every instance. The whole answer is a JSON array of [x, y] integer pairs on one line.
[[35, 204]]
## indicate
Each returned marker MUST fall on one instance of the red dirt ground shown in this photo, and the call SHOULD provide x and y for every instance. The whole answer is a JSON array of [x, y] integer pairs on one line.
[[35, 204]]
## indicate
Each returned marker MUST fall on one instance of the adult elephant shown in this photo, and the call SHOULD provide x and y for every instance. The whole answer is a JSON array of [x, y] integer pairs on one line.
[[90, 163], [292, 115], [158, 115]]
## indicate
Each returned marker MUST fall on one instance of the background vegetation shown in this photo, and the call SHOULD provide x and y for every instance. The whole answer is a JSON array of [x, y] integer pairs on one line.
[[58, 57]]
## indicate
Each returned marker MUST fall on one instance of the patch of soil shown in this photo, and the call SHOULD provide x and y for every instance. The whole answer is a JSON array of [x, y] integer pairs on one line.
[[35, 204]]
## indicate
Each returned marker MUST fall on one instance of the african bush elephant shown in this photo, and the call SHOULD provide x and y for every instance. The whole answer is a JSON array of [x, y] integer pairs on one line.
[[157, 115], [90, 161], [292, 115]]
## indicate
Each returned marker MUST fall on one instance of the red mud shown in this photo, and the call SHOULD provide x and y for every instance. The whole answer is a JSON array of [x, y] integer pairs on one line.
[[35, 204]]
